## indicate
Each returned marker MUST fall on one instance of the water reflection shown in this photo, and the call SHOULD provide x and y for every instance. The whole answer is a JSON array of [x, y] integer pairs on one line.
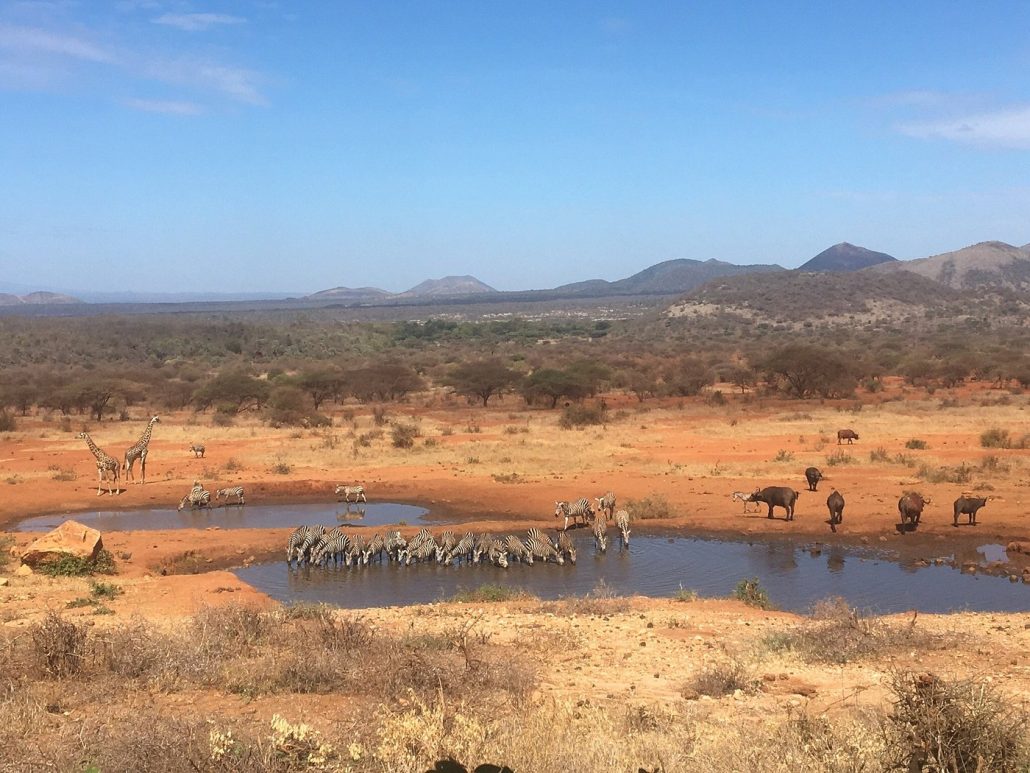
[[657, 566]]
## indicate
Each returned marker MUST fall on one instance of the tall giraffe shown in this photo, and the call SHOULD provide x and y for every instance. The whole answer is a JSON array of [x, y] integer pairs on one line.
[[139, 451], [105, 464]]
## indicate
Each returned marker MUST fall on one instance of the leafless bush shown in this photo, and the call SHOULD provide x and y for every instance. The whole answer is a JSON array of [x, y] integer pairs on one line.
[[58, 646], [956, 727], [721, 678]]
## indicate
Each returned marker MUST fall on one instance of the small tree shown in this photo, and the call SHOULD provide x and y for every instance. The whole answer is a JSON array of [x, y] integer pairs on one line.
[[482, 379], [549, 385], [236, 389], [321, 384]]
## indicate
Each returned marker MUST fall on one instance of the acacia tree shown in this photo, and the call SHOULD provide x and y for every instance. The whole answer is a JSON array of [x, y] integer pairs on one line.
[[481, 379], [321, 384], [236, 389], [551, 384], [804, 371]]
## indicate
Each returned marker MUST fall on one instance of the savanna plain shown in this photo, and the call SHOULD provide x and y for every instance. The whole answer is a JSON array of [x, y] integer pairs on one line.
[[158, 657]]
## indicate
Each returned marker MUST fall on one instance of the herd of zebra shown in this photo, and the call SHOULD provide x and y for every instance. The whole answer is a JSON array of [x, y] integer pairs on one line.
[[201, 497], [320, 546]]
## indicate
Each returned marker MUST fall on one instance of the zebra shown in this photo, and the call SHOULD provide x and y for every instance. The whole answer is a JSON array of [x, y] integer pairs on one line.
[[198, 497], [463, 549], [198, 450], [622, 521], [607, 505], [232, 491], [445, 545], [497, 554], [421, 547], [600, 534], [301, 541], [565, 547], [355, 551], [358, 492], [395, 543], [740, 496], [541, 547], [319, 550], [334, 547], [517, 549], [374, 548], [579, 509]]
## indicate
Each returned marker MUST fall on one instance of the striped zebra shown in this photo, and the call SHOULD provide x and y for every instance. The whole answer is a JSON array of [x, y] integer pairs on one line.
[[374, 549], [445, 545], [606, 504], [358, 492], [301, 541], [198, 497], [335, 548], [463, 549], [579, 509], [565, 547], [497, 554], [395, 543], [198, 450], [622, 522], [420, 548], [232, 491], [517, 549], [355, 551], [601, 534], [541, 547], [740, 496]]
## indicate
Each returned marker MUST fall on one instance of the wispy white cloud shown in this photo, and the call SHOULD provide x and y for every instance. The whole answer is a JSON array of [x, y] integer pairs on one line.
[[169, 107], [197, 22], [1006, 128], [32, 40], [238, 83]]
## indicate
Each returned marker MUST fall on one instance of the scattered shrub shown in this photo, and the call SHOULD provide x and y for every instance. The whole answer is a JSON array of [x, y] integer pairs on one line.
[[963, 473], [58, 646], [957, 726], [574, 416], [74, 566], [995, 438], [751, 592], [403, 435], [838, 458], [879, 455], [7, 422], [718, 679], [917, 445], [491, 592], [783, 455], [649, 508], [282, 467]]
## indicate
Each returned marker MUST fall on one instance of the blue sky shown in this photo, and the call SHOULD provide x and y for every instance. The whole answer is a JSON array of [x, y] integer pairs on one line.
[[293, 146]]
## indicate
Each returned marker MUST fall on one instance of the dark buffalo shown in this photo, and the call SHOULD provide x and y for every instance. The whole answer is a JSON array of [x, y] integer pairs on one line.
[[846, 434], [835, 503], [777, 496], [813, 476], [911, 507], [969, 506]]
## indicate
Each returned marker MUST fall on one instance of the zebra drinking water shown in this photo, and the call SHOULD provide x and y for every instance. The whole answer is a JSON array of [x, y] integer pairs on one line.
[[565, 547], [395, 543], [541, 547], [463, 550], [601, 534], [374, 549], [622, 522], [445, 545], [198, 497], [518, 550]]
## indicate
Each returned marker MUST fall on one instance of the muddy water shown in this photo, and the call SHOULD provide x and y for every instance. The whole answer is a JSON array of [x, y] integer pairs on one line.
[[236, 517], [657, 566]]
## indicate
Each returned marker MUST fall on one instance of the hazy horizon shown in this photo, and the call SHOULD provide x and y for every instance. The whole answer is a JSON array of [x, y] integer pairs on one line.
[[263, 149]]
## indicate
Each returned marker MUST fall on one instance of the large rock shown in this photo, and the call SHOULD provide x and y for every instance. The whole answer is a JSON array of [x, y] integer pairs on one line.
[[71, 538]]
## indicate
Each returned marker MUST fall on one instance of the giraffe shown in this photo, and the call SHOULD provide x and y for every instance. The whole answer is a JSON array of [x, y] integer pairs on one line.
[[106, 465], [139, 451]]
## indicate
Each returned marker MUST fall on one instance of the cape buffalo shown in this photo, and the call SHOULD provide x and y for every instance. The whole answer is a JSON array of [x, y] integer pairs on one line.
[[911, 507], [777, 496], [846, 434], [835, 503], [813, 476], [969, 506]]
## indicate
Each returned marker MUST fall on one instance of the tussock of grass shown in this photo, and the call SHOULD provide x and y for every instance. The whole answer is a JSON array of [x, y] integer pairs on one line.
[[654, 507], [723, 678], [751, 592], [491, 592], [838, 633], [73, 566]]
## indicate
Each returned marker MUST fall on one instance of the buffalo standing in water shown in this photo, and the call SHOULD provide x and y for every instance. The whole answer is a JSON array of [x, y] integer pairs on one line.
[[777, 496]]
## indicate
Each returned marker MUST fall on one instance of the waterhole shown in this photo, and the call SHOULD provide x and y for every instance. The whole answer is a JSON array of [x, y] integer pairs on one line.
[[656, 566], [236, 517]]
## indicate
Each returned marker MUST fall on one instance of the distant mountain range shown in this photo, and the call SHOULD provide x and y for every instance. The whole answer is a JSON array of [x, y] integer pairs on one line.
[[35, 299], [990, 264], [846, 257], [987, 264]]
